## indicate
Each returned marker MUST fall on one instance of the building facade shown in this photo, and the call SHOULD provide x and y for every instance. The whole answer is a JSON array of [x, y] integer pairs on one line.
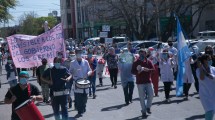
[[83, 19]]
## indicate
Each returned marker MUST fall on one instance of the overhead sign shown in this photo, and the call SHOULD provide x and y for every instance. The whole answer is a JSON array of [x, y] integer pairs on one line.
[[28, 51], [105, 28], [103, 34], [108, 40]]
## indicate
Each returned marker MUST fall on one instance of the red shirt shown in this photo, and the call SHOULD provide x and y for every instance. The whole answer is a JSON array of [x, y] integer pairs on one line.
[[143, 77]]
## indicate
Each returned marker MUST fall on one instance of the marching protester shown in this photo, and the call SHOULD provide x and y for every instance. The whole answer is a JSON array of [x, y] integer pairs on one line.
[[57, 77], [66, 63], [143, 69], [195, 65], [188, 78], [92, 78], [44, 85], [166, 64], [100, 68], [21, 92], [209, 51], [80, 70], [11, 72], [152, 55], [130, 48], [173, 54], [127, 79], [112, 62], [205, 74]]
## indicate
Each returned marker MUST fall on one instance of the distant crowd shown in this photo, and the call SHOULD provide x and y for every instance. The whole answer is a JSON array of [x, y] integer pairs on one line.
[[77, 72]]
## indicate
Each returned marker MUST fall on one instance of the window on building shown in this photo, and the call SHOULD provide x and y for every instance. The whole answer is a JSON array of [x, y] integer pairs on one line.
[[69, 18], [68, 4]]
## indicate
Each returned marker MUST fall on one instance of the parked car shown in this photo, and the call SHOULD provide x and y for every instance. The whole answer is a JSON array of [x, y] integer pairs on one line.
[[119, 39], [121, 44], [94, 40], [206, 35], [162, 45], [142, 44], [201, 44]]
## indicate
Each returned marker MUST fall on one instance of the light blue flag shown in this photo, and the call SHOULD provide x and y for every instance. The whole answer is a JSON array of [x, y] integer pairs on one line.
[[183, 54]]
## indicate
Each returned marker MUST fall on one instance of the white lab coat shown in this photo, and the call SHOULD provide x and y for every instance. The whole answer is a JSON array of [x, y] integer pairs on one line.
[[166, 71], [78, 72], [188, 75], [207, 90]]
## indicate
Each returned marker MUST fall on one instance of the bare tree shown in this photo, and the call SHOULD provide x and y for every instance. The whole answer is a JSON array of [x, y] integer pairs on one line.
[[142, 17]]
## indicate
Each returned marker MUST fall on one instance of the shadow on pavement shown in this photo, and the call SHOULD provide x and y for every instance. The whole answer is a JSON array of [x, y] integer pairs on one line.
[[136, 118], [102, 89], [52, 114], [49, 115], [191, 95], [136, 99], [172, 101], [117, 107], [195, 117], [2, 103]]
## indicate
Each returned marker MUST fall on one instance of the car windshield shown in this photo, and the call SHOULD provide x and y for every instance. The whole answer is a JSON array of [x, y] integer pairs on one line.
[[120, 45], [134, 44]]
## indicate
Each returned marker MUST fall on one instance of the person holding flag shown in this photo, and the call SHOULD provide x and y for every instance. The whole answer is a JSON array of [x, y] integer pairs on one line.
[[183, 54]]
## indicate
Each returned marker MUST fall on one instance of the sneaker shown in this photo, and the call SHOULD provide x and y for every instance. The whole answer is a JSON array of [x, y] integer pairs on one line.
[[144, 115], [90, 95], [148, 110]]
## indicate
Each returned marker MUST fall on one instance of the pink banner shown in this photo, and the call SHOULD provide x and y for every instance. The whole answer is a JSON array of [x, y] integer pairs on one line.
[[28, 51]]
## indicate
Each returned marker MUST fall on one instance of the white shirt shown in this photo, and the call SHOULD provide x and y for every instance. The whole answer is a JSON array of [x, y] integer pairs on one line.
[[78, 72], [166, 71], [188, 75], [207, 90]]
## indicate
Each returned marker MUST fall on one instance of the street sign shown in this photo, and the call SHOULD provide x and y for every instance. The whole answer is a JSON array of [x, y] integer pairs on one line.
[[108, 40], [105, 28], [103, 34]]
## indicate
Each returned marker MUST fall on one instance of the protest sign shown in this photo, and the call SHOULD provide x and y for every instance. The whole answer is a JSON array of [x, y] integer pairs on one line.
[[28, 51]]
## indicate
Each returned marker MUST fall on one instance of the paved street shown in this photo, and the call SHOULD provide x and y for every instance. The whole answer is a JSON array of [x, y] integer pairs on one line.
[[110, 105]]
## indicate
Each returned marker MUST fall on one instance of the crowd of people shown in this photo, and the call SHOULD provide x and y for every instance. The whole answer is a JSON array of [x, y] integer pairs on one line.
[[77, 73]]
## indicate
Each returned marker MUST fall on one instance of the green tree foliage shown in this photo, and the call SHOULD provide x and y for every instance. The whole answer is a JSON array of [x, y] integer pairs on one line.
[[30, 24], [4, 9]]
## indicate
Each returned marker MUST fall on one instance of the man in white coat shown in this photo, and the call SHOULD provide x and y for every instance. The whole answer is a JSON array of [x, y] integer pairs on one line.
[[80, 69], [188, 78]]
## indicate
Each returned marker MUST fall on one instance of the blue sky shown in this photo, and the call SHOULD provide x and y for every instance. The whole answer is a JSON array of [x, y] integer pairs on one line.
[[41, 7]]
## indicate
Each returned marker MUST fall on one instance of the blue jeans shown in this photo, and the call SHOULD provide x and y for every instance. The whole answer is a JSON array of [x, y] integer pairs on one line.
[[92, 85], [80, 102], [12, 82], [56, 103], [145, 90]]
